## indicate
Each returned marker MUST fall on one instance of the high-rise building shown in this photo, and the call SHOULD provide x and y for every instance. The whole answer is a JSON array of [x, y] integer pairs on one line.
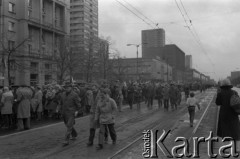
[[84, 33], [188, 61], [153, 38], [31, 31], [83, 25]]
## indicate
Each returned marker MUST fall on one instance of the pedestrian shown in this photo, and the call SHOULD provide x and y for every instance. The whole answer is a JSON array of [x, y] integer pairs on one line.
[[70, 106], [105, 114], [166, 97], [138, 95], [150, 94], [130, 94], [38, 102], [93, 125], [159, 95], [24, 95], [6, 110], [192, 102], [228, 121], [173, 96]]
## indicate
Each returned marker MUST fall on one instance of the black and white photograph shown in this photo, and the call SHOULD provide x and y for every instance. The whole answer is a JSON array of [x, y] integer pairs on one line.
[[119, 79]]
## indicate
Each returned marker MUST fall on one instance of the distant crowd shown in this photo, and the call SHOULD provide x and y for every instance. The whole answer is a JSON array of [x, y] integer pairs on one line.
[[20, 105]]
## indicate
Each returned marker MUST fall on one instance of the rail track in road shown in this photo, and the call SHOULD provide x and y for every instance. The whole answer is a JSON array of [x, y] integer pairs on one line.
[[118, 127], [162, 125], [130, 122]]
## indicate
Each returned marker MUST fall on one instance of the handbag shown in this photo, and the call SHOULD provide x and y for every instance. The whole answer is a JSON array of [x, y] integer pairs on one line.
[[235, 103]]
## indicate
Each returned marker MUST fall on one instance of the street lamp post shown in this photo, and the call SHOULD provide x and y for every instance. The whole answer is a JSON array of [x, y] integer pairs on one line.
[[137, 45]]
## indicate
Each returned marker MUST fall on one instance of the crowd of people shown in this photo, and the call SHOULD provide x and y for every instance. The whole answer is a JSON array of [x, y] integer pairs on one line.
[[20, 105]]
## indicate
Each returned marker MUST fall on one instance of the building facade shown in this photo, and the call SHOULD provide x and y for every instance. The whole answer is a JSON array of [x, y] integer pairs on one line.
[[84, 32], [188, 61], [142, 69], [235, 74], [31, 30], [154, 38]]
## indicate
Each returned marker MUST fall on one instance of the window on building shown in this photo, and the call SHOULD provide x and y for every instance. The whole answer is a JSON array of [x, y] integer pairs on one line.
[[11, 7], [11, 45], [33, 79], [48, 67], [43, 38], [29, 48], [10, 26], [29, 13], [30, 3], [48, 79]]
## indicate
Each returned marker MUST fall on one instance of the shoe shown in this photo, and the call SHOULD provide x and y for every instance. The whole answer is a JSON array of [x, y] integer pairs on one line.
[[99, 147], [106, 141], [89, 144], [73, 138], [114, 142], [65, 142]]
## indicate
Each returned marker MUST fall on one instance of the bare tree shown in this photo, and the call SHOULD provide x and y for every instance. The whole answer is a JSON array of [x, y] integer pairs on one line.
[[8, 53]]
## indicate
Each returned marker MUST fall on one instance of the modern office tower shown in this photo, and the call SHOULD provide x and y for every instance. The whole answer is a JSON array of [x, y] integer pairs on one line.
[[154, 38], [188, 61], [30, 33]]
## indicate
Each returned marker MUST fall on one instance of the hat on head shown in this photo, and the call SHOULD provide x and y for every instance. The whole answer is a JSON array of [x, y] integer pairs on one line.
[[226, 83]]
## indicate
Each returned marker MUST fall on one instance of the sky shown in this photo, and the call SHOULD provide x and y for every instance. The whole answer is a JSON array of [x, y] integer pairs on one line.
[[212, 37]]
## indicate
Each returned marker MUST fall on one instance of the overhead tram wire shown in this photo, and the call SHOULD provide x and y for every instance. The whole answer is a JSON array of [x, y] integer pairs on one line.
[[134, 13], [196, 37], [139, 12]]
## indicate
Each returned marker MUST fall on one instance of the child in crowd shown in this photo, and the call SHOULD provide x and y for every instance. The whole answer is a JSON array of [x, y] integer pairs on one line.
[[192, 102]]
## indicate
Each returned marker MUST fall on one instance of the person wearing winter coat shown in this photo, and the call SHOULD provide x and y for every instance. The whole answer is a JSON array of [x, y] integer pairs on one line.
[[6, 110], [166, 97], [24, 95], [159, 95], [228, 121], [173, 94], [93, 126], [37, 102], [105, 114], [70, 106]]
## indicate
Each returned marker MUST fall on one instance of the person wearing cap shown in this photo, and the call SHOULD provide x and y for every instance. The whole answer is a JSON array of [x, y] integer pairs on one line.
[[6, 110], [70, 106], [192, 103], [105, 114], [228, 121]]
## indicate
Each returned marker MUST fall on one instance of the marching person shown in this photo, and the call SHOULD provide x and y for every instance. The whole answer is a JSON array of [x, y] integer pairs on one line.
[[105, 114], [173, 96], [192, 102], [166, 97], [94, 98], [159, 95], [70, 106]]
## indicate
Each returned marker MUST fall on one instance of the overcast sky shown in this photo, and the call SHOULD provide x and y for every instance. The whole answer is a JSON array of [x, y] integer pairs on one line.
[[214, 42]]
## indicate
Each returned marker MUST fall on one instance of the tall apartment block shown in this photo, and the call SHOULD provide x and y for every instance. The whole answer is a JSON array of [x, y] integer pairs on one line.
[[33, 29], [188, 61], [84, 28], [152, 39]]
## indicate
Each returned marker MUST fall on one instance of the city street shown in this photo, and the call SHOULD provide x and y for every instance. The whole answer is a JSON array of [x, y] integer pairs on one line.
[[45, 142]]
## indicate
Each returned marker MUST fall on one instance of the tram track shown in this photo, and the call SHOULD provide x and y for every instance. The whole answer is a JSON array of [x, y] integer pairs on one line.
[[154, 126]]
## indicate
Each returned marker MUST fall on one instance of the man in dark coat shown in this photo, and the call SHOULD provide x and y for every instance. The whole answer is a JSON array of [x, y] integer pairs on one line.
[[70, 109], [228, 124]]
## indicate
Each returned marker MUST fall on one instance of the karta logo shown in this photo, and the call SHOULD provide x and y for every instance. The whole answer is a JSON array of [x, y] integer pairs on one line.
[[152, 143]]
